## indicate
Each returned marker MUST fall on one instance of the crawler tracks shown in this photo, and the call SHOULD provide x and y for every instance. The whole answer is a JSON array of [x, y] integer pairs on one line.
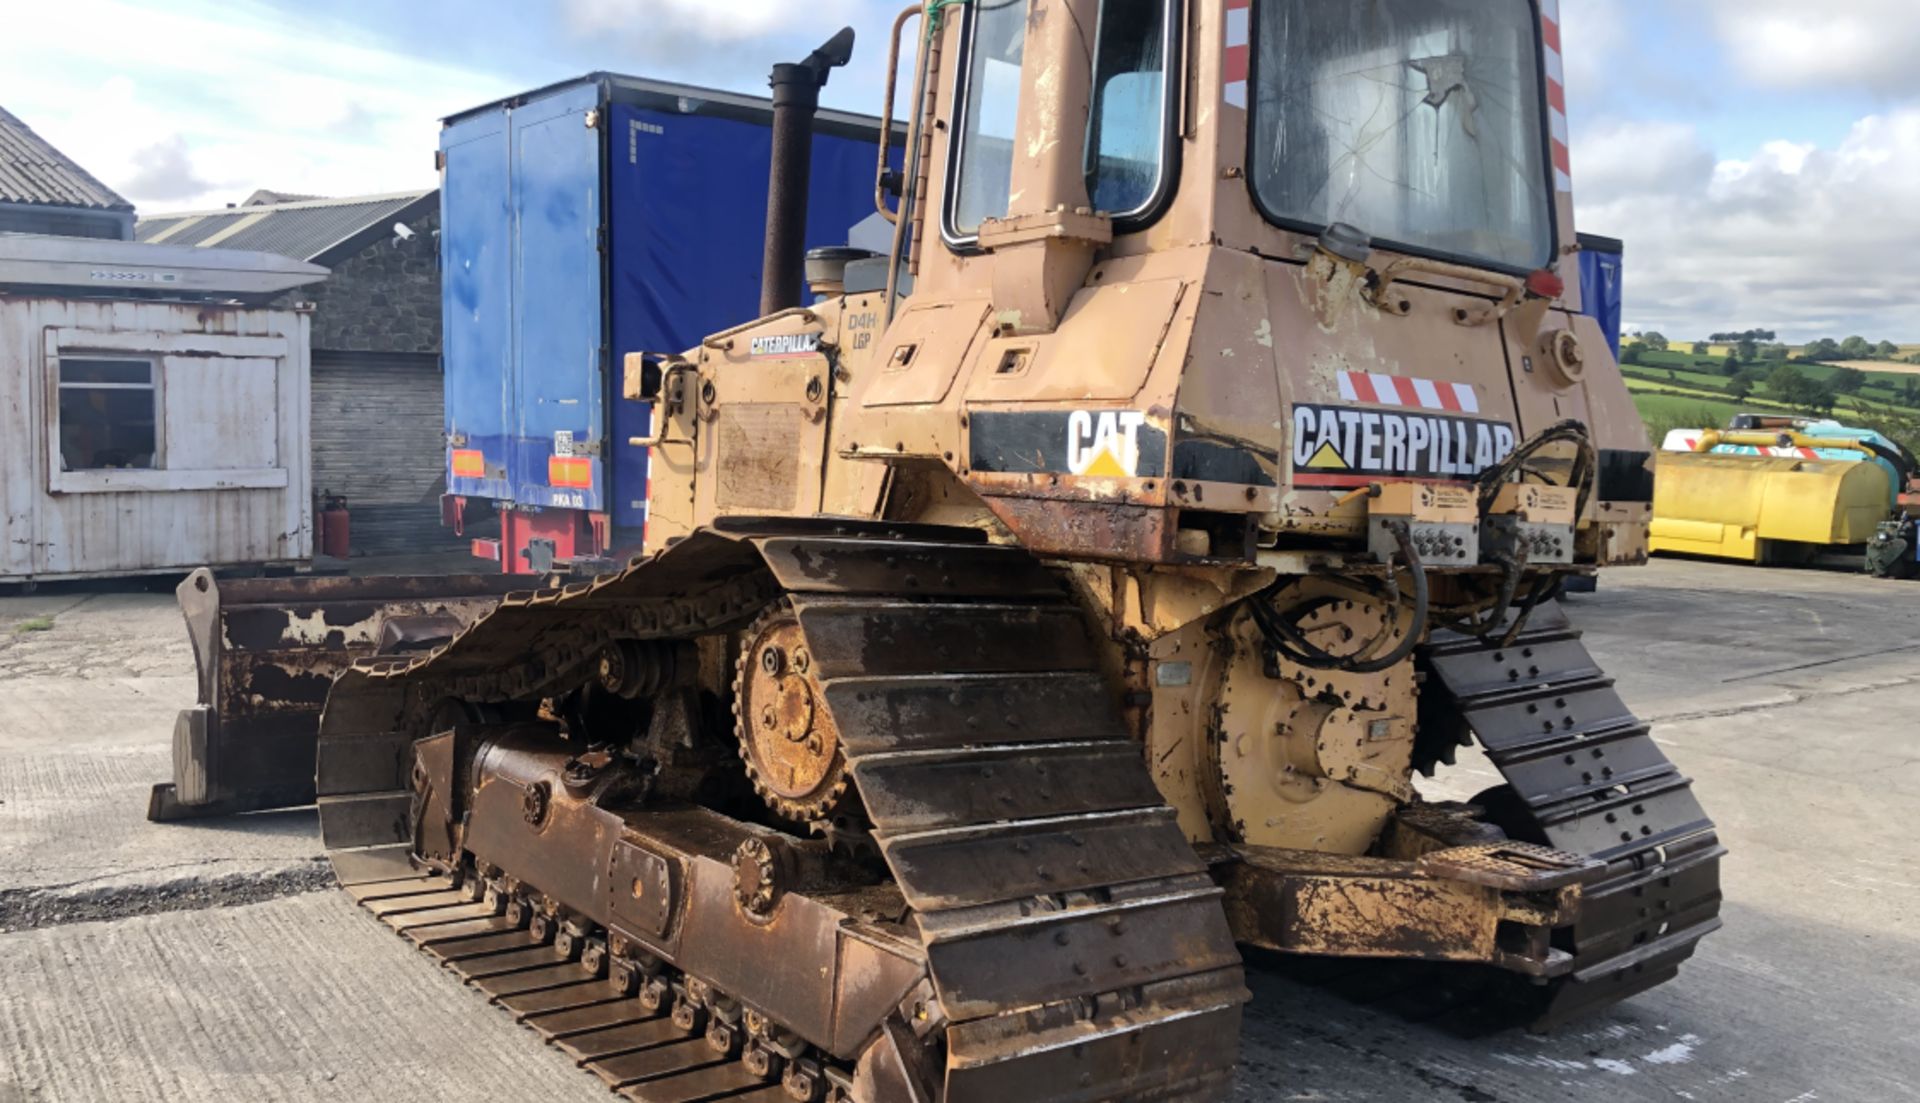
[[1058, 937], [1074, 942], [631, 1041], [1584, 775]]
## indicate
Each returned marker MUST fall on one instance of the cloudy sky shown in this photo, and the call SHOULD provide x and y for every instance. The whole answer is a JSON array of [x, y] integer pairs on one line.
[[1761, 157]]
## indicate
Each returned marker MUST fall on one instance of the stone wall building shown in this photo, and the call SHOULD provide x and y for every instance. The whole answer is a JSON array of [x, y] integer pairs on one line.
[[378, 414], [384, 298]]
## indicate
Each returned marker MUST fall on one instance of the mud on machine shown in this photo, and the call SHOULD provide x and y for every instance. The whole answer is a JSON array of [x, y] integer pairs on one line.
[[1072, 596]]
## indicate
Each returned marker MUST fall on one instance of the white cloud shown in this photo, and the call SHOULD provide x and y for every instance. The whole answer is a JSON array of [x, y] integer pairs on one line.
[[165, 171], [674, 29], [1613, 160], [197, 104], [1857, 43], [741, 19], [1808, 240], [1592, 34]]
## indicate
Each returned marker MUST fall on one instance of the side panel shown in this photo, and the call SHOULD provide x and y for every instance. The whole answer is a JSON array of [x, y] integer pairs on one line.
[[476, 271], [559, 389], [688, 203], [19, 467], [1601, 292]]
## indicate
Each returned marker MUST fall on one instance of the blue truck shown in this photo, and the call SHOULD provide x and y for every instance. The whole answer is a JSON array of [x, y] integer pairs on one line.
[[580, 222]]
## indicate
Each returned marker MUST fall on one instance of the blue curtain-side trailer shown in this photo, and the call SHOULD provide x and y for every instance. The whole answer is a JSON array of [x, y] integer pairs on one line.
[[1601, 291], [581, 222]]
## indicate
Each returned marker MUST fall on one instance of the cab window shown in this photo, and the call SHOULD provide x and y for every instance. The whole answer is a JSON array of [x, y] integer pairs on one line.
[[1129, 132], [1129, 129], [981, 179], [1418, 121]]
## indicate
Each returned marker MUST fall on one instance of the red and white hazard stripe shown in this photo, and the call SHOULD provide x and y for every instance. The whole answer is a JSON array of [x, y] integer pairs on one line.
[[1556, 95], [1416, 394], [1239, 55]]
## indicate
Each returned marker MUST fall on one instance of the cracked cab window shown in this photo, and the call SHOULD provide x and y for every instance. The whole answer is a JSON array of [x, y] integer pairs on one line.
[[1418, 121]]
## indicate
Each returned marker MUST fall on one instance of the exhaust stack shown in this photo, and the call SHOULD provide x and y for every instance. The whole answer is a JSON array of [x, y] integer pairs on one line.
[[796, 99]]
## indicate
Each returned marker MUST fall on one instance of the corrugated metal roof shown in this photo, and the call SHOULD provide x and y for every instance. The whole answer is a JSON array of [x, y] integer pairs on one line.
[[32, 171], [306, 230], [196, 232]]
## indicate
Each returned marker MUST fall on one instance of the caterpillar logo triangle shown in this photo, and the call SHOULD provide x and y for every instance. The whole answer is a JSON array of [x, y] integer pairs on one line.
[[1106, 464], [1327, 459]]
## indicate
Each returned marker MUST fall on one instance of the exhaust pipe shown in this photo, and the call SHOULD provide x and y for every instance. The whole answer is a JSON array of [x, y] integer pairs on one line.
[[796, 99]]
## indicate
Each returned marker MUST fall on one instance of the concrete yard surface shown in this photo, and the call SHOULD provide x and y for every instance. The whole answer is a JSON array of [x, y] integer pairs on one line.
[[210, 961]]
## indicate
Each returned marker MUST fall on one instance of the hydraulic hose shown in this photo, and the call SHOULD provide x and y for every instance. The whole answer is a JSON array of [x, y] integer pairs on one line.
[[1284, 636], [1583, 476]]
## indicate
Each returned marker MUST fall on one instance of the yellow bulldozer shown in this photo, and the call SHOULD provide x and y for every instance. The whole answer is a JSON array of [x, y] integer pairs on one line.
[[1067, 600]]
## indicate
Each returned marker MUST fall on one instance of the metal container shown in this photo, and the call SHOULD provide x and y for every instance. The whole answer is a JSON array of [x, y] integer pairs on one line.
[[581, 222], [143, 434]]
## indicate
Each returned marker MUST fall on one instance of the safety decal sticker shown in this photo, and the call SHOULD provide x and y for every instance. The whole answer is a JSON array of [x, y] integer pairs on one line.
[[1116, 444], [786, 344], [1239, 55], [1342, 446], [1556, 95], [469, 464], [1419, 394], [570, 471]]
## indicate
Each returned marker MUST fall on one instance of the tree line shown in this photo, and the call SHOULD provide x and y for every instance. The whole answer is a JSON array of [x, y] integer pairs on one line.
[[1853, 348], [1759, 344]]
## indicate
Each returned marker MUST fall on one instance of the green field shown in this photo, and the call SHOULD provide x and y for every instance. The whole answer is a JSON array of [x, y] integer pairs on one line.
[[1666, 412], [1677, 390]]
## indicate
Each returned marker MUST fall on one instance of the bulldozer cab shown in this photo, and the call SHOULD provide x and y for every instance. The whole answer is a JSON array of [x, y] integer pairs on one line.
[[1172, 281], [1427, 127]]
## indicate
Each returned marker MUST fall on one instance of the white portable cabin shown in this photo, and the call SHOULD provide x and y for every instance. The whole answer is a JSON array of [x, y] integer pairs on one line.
[[153, 409]]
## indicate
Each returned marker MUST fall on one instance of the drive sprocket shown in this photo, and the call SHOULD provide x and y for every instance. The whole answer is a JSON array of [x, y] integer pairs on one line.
[[788, 738]]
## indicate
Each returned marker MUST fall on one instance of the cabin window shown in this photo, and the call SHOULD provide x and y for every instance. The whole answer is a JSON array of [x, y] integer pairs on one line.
[[981, 178], [1418, 121], [108, 414], [1130, 129]]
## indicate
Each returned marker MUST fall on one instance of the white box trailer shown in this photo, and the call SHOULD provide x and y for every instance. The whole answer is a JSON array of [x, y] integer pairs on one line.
[[153, 409]]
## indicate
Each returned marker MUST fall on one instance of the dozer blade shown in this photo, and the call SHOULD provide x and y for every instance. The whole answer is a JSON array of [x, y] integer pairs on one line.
[[267, 651]]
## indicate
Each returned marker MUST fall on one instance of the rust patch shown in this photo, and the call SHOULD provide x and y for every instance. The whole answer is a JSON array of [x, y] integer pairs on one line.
[[1088, 530]]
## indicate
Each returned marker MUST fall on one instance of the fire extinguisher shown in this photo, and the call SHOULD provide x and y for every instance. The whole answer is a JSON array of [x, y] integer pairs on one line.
[[334, 535]]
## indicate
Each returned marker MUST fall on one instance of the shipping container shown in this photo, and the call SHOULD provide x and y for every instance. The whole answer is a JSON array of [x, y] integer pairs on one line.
[[580, 222], [153, 413]]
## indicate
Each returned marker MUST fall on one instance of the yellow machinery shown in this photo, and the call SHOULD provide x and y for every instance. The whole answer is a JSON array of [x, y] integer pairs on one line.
[[1070, 599], [1781, 503]]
